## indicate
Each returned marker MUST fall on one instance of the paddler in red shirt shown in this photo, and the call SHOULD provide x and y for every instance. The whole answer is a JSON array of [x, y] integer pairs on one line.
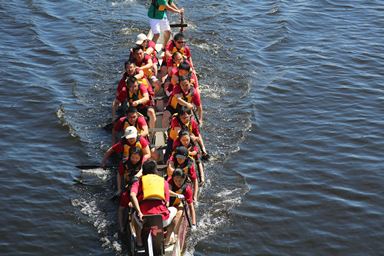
[[133, 118], [150, 195], [184, 139], [179, 189], [181, 159], [178, 44], [129, 172], [135, 95], [130, 71], [128, 140], [149, 48], [183, 95]]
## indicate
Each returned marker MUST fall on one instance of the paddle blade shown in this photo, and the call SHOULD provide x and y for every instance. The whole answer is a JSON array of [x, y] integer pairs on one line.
[[178, 25], [205, 157], [108, 127]]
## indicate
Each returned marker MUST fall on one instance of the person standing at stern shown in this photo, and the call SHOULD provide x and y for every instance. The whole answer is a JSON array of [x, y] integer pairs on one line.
[[158, 20]]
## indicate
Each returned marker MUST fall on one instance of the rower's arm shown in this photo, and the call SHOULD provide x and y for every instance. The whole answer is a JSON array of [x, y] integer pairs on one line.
[[145, 131], [143, 100], [149, 50], [192, 213], [195, 190], [135, 203], [139, 174], [191, 64], [149, 65], [168, 54], [106, 156], [146, 153], [139, 75], [183, 102], [170, 168]]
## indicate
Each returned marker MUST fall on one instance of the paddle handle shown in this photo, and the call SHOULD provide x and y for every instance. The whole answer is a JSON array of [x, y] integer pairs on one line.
[[182, 22], [186, 212]]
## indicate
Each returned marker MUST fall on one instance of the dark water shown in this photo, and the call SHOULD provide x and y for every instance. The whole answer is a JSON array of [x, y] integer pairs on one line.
[[293, 95]]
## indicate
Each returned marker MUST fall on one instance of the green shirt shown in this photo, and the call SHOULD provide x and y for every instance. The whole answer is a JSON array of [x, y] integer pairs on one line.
[[160, 12]]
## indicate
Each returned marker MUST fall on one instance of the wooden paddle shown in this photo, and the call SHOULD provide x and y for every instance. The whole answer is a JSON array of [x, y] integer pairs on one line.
[[182, 25], [205, 156], [186, 212]]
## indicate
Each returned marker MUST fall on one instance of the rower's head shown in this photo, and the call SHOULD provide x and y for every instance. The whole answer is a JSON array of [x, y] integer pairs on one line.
[[179, 177], [177, 58], [184, 137], [132, 84], [179, 40], [141, 40], [149, 167], [185, 114], [135, 156], [185, 83], [175, 80], [132, 115], [181, 154], [130, 68], [138, 52], [184, 68], [130, 134]]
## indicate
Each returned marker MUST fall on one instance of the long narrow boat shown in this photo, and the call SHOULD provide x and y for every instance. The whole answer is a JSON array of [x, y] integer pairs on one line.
[[153, 223]]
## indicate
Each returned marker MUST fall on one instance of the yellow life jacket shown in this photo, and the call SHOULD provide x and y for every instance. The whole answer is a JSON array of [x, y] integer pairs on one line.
[[153, 187], [127, 147], [173, 133], [144, 81], [182, 50], [188, 98], [176, 201], [134, 96]]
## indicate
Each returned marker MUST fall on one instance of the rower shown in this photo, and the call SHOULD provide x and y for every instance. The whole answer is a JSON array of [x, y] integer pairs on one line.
[[179, 189], [130, 71], [183, 120], [178, 44], [181, 159], [149, 48], [184, 69], [150, 195], [133, 118], [136, 95], [183, 95], [184, 139], [142, 60], [128, 140], [129, 172]]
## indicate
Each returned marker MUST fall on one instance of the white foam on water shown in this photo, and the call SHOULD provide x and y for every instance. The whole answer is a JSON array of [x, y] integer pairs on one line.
[[120, 3], [213, 91], [217, 216], [98, 172], [99, 221]]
